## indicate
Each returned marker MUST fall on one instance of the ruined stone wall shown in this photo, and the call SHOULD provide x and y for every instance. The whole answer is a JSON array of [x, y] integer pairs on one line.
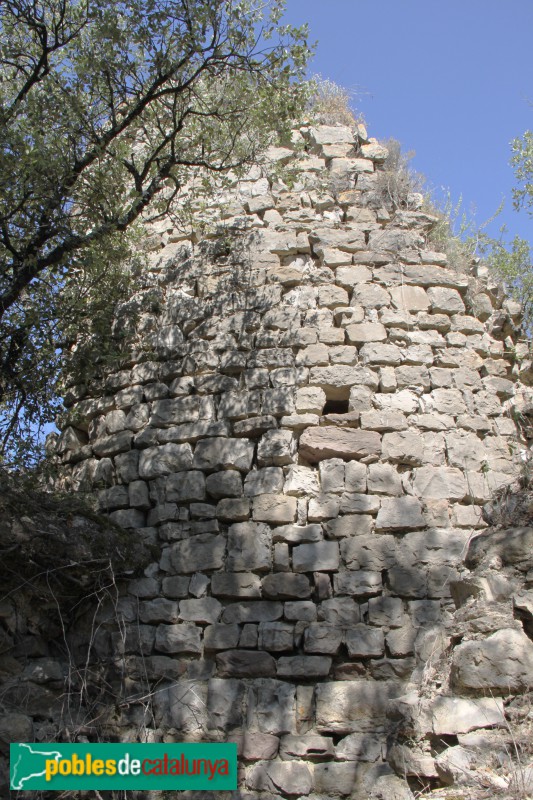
[[315, 406]]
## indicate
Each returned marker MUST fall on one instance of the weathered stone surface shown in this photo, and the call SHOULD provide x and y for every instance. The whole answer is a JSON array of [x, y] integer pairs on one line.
[[221, 637], [449, 716], [316, 557], [399, 513], [235, 584], [162, 460], [321, 637], [215, 453], [359, 583], [306, 667], [317, 444], [285, 585], [307, 747], [257, 746], [349, 525], [501, 663], [276, 636], [336, 778], [276, 448], [439, 483], [288, 777], [203, 552], [260, 611], [264, 481], [205, 609], [358, 747], [249, 547], [514, 546], [245, 664], [297, 534], [364, 642], [340, 611], [369, 552], [274, 508], [181, 638], [353, 706]]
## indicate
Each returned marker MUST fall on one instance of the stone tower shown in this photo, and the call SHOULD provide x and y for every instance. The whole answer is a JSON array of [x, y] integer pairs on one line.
[[314, 408]]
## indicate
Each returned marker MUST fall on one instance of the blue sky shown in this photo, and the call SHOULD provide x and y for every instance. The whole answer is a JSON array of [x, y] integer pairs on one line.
[[451, 80]]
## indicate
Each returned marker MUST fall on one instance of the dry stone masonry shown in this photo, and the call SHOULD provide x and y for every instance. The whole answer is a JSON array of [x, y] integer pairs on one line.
[[313, 411]]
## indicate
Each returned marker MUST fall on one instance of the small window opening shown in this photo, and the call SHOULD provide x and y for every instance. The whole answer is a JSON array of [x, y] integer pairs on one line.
[[336, 407]]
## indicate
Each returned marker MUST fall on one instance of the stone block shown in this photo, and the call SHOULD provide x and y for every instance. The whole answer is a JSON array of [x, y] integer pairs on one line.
[[359, 747], [370, 552], [113, 445], [205, 609], [337, 380], [353, 706], [245, 664], [285, 585], [250, 611], [202, 552], [221, 637], [336, 778], [162, 460], [384, 479], [310, 399], [324, 506], [352, 503], [445, 300], [382, 354], [263, 481], [272, 707], [224, 484], [364, 642], [331, 473], [274, 508], [176, 586], [399, 513], [410, 298], [450, 716], [301, 481], [249, 547], [360, 583], [276, 636], [300, 610], [181, 638], [340, 611], [348, 525], [249, 636], [276, 448], [439, 483], [501, 663], [355, 477], [185, 487], [316, 557], [281, 559], [217, 453], [320, 637], [233, 509], [159, 610], [235, 584], [174, 411], [317, 444], [361, 333], [311, 746], [256, 746], [383, 421], [297, 534], [289, 777], [386, 612]]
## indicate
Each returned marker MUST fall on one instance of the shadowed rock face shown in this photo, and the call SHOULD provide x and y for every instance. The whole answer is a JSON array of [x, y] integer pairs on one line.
[[304, 433]]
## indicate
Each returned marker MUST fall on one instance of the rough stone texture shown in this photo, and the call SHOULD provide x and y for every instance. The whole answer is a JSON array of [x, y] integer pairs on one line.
[[304, 437], [317, 444], [501, 663]]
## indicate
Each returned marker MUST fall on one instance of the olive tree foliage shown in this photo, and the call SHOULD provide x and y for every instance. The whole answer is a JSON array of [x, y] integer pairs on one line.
[[512, 262], [107, 109]]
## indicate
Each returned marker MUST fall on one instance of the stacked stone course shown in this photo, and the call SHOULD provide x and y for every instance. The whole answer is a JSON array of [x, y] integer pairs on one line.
[[314, 409]]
